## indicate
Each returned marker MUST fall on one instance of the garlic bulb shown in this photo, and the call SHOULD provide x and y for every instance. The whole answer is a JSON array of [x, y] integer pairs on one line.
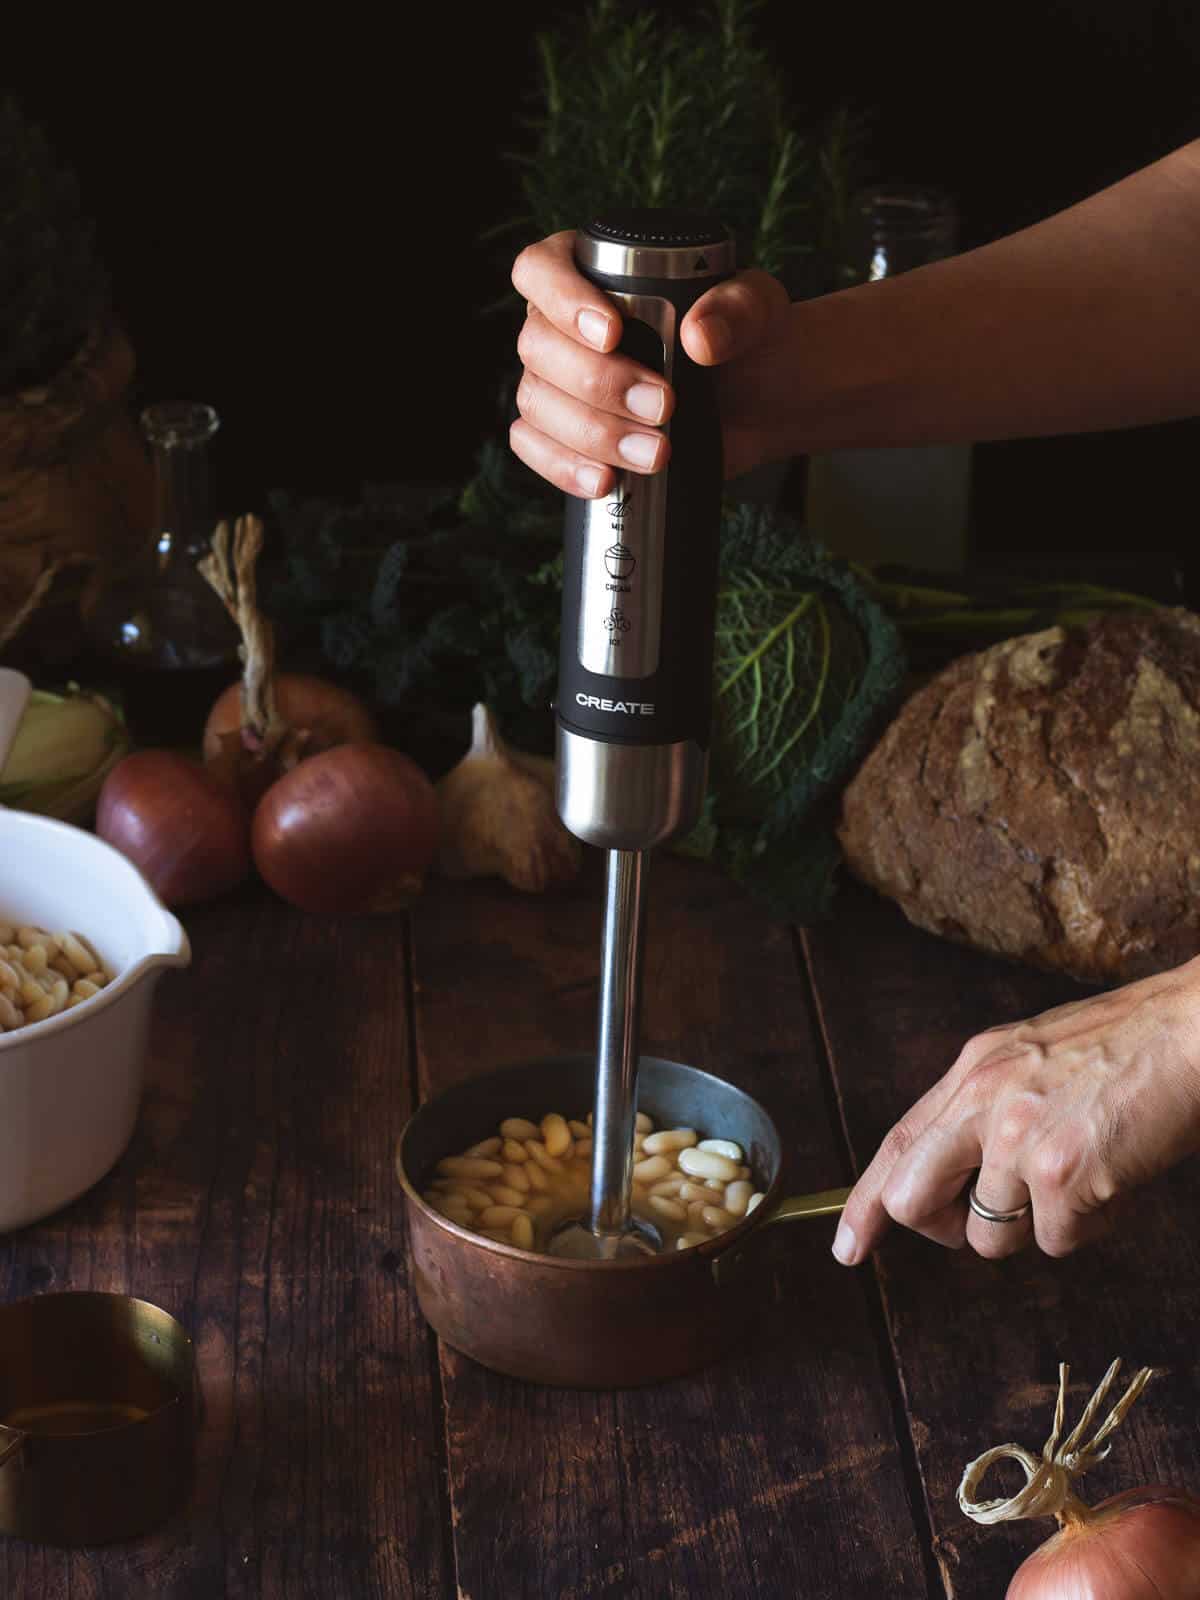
[[498, 816]]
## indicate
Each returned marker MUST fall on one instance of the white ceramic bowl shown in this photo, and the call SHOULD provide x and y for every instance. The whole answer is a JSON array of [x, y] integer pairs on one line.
[[70, 1086]]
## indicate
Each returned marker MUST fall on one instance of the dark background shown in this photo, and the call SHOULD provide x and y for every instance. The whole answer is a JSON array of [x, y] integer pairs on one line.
[[291, 218]]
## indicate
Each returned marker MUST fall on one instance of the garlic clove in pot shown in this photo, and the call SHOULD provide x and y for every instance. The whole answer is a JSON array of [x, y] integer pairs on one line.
[[498, 816]]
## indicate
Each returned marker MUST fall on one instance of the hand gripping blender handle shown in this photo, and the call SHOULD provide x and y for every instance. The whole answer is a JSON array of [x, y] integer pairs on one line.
[[640, 564]]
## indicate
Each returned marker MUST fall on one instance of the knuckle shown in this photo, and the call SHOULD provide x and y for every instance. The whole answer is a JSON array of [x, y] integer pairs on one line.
[[897, 1143], [526, 340], [901, 1205], [1055, 1164], [592, 437], [526, 397], [1056, 1239], [1015, 1118], [522, 266], [991, 1243], [595, 384]]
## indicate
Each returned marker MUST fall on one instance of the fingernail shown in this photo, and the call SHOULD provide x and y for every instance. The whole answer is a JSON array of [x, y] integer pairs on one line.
[[646, 400], [717, 336], [588, 479], [639, 449], [845, 1245], [593, 327]]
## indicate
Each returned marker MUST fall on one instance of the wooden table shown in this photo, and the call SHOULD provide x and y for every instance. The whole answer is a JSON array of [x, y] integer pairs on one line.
[[345, 1454]]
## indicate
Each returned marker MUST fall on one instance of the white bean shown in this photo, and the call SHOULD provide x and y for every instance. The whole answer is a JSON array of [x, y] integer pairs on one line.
[[715, 1184], [707, 1164], [518, 1128], [485, 1147], [694, 1191], [542, 1156], [504, 1196], [672, 1185], [499, 1216], [685, 1241], [643, 1123], [737, 1198], [583, 1149], [539, 1204], [723, 1147], [516, 1177], [514, 1152], [755, 1200], [8, 975], [477, 1199], [654, 1167], [581, 1130], [716, 1217], [469, 1167], [556, 1134], [537, 1178], [522, 1232], [669, 1208], [73, 949], [661, 1144], [10, 1017]]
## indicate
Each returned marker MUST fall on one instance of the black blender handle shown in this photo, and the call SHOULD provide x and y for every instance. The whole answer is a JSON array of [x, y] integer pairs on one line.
[[640, 565]]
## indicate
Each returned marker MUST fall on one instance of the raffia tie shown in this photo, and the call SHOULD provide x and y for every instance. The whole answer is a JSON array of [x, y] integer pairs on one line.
[[1048, 1481]]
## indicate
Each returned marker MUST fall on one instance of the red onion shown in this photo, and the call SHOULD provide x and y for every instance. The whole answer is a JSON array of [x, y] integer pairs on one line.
[[348, 831], [1140, 1545], [186, 832]]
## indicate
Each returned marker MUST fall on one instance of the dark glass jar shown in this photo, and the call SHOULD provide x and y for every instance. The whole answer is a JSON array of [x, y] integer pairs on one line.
[[159, 631]]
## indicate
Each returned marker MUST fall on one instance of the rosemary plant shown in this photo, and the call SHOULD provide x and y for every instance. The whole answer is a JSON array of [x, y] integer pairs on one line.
[[632, 107]]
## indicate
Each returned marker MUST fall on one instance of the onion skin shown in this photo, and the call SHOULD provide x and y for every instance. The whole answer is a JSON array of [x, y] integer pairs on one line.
[[187, 833], [1140, 1545], [328, 714], [347, 832]]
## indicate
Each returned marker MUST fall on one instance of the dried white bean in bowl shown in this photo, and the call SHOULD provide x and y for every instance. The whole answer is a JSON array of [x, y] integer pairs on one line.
[[40, 974], [517, 1185]]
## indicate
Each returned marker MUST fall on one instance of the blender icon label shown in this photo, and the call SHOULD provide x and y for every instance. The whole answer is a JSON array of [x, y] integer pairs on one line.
[[619, 561]]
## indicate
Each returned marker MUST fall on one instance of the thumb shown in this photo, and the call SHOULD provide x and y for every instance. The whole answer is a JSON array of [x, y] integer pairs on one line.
[[733, 317]]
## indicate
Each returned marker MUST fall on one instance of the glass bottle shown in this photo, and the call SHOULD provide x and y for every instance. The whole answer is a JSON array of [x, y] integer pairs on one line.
[[161, 634], [902, 504]]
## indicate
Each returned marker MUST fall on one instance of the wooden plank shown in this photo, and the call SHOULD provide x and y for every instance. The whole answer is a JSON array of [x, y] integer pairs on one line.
[[258, 1204], [979, 1343], [775, 1472]]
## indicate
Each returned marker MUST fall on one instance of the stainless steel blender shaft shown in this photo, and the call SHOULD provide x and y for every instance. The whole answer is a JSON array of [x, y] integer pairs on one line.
[[634, 703], [615, 1105]]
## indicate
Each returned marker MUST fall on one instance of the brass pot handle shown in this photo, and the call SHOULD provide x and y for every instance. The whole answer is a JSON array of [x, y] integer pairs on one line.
[[795, 1208], [13, 1447]]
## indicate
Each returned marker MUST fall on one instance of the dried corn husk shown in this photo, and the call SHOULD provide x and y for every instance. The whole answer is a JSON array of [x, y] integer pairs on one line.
[[64, 749]]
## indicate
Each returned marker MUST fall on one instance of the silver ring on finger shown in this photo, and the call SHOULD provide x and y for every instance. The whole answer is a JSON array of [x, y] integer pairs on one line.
[[988, 1215]]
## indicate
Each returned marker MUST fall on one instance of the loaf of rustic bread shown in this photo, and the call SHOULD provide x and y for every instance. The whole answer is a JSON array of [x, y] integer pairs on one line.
[[1041, 799]]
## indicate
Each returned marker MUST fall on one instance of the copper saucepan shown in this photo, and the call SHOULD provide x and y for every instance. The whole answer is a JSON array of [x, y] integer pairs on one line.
[[591, 1324]]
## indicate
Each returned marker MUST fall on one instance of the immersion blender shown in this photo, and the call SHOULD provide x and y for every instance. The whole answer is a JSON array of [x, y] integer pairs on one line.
[[634, 703]]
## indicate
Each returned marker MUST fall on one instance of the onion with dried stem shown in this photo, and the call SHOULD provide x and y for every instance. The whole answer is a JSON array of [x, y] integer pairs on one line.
[[1140, 1545]]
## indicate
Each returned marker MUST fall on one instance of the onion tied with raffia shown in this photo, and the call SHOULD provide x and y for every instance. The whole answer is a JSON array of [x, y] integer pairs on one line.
[[294, 780], [1143, 1544]]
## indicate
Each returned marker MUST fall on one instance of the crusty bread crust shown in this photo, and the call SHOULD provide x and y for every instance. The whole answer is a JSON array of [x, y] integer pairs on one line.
[[1041, 799]]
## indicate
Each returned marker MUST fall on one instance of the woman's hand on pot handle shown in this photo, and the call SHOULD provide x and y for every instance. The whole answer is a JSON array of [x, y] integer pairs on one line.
[[1069, 1111], [586, 409]]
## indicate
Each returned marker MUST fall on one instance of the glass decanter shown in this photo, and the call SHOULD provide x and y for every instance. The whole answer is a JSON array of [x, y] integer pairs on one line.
[[160, 632]]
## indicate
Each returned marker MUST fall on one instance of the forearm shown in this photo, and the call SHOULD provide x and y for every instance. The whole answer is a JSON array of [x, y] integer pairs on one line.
[[1086, 321]]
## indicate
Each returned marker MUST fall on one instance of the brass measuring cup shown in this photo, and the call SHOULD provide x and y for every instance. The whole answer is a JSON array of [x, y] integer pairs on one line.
[[98, 1414]]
